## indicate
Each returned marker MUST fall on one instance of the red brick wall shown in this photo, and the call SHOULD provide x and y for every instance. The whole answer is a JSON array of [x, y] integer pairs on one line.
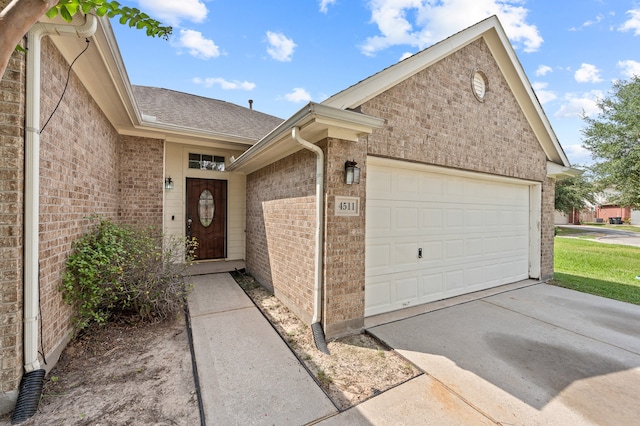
[[605, 212], [83, 162], [78, 177], [281, 230], [141, 181], [12, 86], [344, 241], [86, 169]]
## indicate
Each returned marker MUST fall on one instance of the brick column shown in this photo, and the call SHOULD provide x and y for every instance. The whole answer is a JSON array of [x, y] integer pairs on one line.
[[344, 241]]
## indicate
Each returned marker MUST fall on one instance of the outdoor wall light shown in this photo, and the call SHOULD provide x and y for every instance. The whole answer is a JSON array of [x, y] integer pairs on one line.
[[168, 183], [351, 172]]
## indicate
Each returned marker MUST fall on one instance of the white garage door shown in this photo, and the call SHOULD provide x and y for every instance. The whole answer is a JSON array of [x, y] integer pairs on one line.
[[431, 235]]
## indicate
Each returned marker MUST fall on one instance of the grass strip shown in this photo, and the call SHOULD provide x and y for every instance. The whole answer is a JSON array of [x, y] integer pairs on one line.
[[606, 270]]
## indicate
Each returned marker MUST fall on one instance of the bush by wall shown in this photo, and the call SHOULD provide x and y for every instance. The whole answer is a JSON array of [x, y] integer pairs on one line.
[[119, 270]]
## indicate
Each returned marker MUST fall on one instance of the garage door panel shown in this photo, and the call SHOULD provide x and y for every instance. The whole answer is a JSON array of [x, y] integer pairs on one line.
[[474, 234], [432, 218], [431, 287], [406, 289], [378, 218], [406, 218], [453, 283], [454, 249]]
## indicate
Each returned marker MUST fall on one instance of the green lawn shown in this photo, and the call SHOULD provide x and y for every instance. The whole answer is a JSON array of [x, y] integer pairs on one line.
[[603, 269]]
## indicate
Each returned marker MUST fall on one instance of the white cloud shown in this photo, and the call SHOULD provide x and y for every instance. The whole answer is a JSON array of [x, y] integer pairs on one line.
[[588, 74], [420, 23], [171, 12], [578, 105], [633, 23], [224, 84], [280, 47], [405, 55], [598, 19], [324, 4], [589, 23], [298, 95], [197, 45], [629, 68], [543, 70], [543, 95], [578, 154]]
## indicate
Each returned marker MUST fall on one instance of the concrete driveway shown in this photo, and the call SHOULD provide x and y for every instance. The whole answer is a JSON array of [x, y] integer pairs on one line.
[[535, 355]]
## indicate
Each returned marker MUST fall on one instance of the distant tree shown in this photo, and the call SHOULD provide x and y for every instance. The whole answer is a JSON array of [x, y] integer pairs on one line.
[[614, 140], [574, 193], [18, 16]]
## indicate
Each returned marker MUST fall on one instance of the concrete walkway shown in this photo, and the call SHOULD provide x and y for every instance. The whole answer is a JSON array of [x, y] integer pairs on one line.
[[248, 375], [537, 354]]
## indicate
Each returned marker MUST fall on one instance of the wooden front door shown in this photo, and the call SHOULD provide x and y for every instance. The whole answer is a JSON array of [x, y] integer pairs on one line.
[[207, 217]]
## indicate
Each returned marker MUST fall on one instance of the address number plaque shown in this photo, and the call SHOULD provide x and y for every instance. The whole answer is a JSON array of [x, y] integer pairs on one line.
[[347, 206]]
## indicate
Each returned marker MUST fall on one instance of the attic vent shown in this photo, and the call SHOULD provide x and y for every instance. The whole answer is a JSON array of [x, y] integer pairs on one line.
[[479, 84]]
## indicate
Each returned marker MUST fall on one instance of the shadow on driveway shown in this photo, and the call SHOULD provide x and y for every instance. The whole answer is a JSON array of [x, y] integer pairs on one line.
[[540, 354]]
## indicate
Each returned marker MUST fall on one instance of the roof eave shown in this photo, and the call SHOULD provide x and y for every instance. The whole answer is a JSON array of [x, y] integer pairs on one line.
[[559, 171], [316, 122]]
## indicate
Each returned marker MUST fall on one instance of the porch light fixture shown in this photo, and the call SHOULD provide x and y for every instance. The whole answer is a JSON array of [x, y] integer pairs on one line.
[[351, 172], [168, 183]]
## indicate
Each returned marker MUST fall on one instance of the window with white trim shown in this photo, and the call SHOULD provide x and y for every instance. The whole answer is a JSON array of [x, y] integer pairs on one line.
[[206, 162]]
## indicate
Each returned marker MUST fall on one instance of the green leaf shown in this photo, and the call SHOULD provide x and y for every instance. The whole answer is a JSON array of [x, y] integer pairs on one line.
[[88, 7], [52, 13], [64, 12]]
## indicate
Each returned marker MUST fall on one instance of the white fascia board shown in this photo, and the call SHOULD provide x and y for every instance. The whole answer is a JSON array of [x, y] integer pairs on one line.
[[312, 119], [560, 171]]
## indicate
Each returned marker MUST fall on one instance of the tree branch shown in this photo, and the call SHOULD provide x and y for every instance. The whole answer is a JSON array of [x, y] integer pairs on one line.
[[15, 21]]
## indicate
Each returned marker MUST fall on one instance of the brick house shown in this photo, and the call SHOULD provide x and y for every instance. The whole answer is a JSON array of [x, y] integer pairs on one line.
[[457, 165]]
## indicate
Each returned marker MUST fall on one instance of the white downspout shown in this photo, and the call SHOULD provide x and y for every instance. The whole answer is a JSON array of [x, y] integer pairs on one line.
[[317, 285], [32, 177]]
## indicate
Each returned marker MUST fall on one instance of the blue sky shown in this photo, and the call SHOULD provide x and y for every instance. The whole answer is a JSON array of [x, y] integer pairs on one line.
[[283, 53]]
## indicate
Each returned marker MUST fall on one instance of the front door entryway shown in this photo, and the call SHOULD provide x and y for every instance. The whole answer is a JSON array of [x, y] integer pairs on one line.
[[207, 216]]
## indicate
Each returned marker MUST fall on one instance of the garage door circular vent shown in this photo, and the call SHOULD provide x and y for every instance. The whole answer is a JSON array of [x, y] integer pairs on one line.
[[479, 84]]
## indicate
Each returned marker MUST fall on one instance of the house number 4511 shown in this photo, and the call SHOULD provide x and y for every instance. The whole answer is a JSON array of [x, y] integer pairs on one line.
[[347, 206]]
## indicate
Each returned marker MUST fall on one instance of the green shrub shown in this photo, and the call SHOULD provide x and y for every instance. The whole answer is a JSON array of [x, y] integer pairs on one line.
[[118, 270]]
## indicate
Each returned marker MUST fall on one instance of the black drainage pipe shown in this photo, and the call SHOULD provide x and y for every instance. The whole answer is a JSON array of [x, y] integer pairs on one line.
[[194, 364], [318, 338], [28, 396]]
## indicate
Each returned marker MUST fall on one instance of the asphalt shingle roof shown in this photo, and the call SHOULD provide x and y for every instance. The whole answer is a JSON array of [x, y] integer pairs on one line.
[[213, 115]]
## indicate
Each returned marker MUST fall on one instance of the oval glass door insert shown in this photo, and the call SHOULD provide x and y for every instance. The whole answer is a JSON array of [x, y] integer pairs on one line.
[[206, 208]]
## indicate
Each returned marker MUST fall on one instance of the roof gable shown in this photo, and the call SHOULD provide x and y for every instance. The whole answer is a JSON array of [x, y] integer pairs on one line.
[[494, 36]]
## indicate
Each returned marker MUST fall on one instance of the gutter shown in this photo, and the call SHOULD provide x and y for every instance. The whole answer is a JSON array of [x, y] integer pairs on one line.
[[307, 114], [316, 324], [30, 389]]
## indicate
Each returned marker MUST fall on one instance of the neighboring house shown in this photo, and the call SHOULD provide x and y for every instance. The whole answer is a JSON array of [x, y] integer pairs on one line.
[[605, 208], [457, 165]]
